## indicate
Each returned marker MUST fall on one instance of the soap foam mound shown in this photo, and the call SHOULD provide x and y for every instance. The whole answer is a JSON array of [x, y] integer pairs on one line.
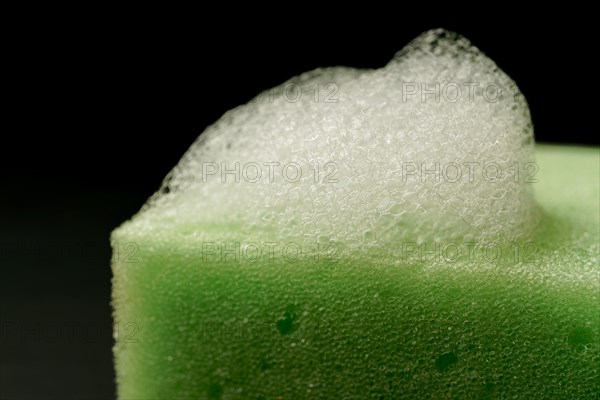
[[372, 135]]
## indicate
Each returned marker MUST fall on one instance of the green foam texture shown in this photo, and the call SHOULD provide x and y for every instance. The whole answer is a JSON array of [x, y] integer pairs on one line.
[[361, 326]]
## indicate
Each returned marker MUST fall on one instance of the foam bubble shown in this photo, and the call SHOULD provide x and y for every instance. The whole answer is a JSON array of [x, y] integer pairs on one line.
[[436, 145]]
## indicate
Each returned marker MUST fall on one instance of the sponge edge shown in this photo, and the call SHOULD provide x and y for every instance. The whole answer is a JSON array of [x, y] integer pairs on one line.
[[434, 146]]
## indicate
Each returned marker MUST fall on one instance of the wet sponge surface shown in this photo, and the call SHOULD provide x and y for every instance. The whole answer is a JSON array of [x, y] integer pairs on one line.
[[364, 321]]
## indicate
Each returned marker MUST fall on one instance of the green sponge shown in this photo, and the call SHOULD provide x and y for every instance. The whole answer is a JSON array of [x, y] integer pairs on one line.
[[339, 329], [355, 234]]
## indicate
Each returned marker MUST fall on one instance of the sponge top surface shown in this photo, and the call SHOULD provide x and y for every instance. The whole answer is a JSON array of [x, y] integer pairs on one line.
[[433, 146]]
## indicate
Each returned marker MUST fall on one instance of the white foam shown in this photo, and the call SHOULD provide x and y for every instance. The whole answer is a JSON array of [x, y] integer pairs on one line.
[[369, 129]]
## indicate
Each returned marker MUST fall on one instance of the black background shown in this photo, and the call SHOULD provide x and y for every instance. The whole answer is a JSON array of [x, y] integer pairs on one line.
[[106, 103]]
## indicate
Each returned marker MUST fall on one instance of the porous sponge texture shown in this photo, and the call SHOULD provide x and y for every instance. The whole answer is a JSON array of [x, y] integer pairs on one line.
[[368, 323], [357, 136]]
